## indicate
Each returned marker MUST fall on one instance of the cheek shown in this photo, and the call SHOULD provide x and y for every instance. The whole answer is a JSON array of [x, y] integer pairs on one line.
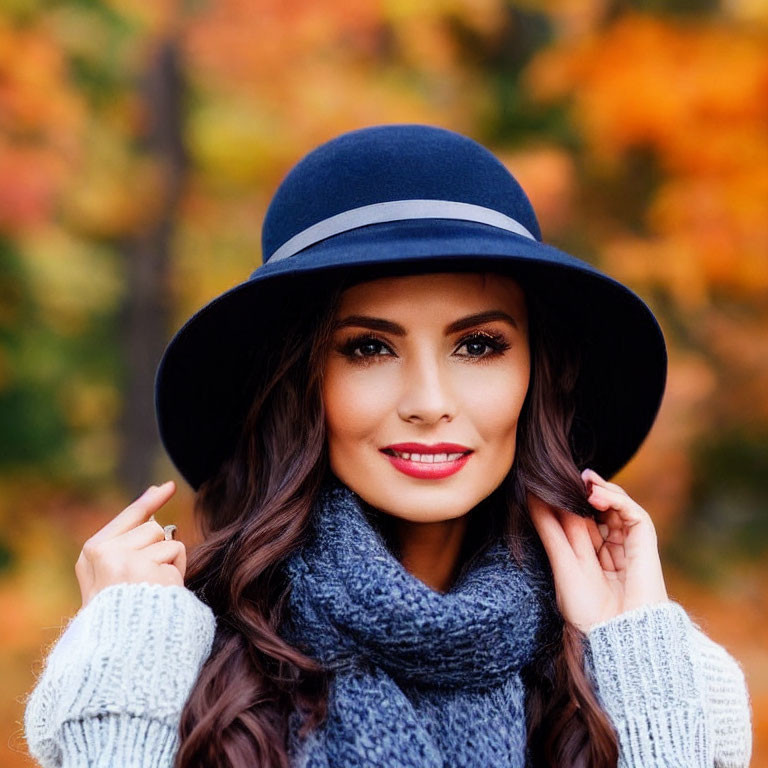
[[493, 402], [355, 402]]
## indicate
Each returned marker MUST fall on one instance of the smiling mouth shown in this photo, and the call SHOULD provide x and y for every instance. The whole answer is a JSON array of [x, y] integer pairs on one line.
[[425, 458]]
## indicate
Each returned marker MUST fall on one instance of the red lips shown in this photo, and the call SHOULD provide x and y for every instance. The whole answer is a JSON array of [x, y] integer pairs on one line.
[[423, 448], [427, 470]]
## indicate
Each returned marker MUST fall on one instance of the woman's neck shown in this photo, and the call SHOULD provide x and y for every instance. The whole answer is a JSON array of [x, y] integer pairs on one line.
[[431, 551], [435, 553]]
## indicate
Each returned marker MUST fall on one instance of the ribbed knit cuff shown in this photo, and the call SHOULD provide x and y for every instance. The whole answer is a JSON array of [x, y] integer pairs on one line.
[[110, 741], [651, 685], [134, 650], [644, 658]]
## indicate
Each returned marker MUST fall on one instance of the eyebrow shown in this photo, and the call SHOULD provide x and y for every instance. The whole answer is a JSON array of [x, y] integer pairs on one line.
[[387, 326]]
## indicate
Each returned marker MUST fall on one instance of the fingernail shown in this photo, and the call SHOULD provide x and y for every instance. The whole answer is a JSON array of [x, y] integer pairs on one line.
[[603, 528]]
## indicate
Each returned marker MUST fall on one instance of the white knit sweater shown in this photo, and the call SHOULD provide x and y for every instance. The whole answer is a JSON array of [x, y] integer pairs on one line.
[[114, 684]]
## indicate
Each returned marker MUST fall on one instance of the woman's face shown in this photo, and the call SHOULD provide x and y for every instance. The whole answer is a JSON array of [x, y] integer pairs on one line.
[[412, 360]]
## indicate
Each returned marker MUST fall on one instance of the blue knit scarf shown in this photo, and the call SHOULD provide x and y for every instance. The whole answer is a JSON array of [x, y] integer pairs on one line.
[[421, 679]]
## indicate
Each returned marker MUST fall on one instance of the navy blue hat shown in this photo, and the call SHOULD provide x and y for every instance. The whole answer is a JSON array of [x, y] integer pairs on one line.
[[404, 197]]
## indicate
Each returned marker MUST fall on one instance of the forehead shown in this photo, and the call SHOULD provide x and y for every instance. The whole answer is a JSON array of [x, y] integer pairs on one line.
[[453, 291]]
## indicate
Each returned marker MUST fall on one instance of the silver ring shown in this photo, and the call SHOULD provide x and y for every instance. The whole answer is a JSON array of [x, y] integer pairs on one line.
[[169, 531]]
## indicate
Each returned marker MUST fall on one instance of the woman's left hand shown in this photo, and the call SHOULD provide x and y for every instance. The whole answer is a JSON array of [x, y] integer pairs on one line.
[[600, 571]]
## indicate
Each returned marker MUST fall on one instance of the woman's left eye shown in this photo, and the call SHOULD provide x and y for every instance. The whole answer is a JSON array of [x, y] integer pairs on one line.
[[495, 342]]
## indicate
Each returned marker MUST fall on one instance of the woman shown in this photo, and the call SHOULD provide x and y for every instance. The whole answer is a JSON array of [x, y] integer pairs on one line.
[[401, 431]]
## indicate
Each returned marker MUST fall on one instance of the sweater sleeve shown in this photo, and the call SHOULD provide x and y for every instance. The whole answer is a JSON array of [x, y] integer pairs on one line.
[[114, 683], [676, 698]]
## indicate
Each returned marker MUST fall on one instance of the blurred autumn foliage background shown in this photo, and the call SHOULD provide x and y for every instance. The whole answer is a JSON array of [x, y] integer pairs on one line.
[[140, 143]]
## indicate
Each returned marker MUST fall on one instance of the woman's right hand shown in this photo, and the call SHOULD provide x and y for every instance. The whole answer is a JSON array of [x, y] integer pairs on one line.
[[132, 548]]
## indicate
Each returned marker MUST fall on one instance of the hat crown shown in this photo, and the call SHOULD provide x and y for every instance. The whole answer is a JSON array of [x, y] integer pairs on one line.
[[386, 163]]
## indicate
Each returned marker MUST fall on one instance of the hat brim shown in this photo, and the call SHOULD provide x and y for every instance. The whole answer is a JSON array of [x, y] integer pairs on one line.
[[201, 383]]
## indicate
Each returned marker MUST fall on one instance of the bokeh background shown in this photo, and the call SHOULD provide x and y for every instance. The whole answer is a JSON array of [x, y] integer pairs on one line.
[[140, 143]]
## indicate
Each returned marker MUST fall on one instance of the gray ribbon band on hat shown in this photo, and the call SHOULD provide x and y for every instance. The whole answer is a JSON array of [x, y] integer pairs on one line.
[[397, 210]]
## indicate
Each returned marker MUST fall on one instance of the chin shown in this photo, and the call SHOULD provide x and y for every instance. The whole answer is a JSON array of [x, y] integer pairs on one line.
[[423, 513], [421, 505]]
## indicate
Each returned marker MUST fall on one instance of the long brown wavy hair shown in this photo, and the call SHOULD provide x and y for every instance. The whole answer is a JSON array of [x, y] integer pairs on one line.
[[256, 510]]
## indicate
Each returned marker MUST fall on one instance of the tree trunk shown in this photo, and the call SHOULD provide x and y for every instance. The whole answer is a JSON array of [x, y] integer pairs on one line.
[[145, 318]]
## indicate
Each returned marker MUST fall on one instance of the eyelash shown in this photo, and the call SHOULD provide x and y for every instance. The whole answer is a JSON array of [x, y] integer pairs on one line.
[[495, 341]]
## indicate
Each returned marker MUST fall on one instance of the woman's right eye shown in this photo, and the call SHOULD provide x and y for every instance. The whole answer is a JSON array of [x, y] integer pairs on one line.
[[360, 347]]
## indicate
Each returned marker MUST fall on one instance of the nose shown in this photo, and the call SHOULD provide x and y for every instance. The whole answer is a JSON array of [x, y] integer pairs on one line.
[[427, 395]]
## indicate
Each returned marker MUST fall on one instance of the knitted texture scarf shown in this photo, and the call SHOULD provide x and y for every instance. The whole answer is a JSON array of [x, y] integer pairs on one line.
[[420, 678]]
